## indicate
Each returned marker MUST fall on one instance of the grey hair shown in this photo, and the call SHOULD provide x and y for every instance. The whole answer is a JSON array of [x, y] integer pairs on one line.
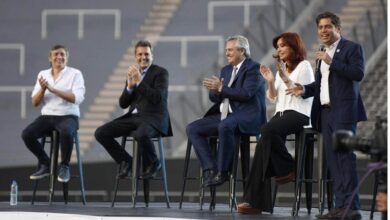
[[242, 42]]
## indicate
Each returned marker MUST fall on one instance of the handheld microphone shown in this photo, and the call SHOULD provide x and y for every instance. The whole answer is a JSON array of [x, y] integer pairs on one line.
[[318, 61]]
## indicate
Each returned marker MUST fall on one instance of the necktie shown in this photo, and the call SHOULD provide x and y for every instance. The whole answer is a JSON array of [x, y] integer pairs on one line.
[[225, 103]]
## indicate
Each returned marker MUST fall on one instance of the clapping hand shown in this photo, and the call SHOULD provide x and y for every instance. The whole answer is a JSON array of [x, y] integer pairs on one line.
[[213, 84], [266, 72], [282, 73], [133, 76], [45, 84]]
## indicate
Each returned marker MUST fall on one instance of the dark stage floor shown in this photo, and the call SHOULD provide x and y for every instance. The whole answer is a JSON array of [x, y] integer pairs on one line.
[[103, 211]]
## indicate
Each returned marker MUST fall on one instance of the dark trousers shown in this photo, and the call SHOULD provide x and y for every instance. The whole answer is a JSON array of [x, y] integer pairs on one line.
[[199, 132], [271, 157], [65, 125], [139, 129], [342, 165]]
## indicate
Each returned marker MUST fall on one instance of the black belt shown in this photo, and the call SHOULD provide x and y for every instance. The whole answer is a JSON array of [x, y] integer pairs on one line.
[[326, 106], [281, 113]]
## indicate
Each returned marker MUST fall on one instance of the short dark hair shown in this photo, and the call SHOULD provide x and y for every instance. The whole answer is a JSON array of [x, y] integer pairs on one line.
[[59, 46], [334, 18], [143, 43], [295, 42]]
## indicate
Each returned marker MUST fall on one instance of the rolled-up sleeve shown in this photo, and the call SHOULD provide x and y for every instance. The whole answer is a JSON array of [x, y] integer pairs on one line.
[[78, 88]]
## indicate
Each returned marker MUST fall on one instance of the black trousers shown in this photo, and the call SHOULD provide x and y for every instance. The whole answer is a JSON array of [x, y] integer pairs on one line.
[[65, 125], [140, 130], [271, 157]]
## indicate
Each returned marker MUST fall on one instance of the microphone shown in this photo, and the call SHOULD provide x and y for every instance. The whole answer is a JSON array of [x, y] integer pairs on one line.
[[318, 61]]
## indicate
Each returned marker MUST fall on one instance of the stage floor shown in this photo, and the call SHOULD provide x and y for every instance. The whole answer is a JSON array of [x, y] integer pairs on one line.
[[103, 211]]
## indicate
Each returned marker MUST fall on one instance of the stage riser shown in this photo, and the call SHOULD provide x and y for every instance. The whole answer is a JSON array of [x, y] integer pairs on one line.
[[100, 178]]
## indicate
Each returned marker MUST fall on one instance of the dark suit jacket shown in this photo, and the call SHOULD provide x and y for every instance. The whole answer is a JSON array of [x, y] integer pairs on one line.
[[150, 98], [346, 71], [246, 96]]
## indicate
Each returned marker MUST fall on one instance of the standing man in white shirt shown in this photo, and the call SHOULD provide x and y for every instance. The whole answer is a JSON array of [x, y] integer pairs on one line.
[[60, 89], [337, 105]]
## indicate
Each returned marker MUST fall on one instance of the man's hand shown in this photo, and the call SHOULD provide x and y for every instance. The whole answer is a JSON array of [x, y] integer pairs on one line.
[[322, 55], [43, 82], [213, 84], [45, 85], [296, 90], [133, 76]]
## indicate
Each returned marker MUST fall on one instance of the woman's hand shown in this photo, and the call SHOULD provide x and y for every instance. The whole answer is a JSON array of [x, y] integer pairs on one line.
[[266, 72]]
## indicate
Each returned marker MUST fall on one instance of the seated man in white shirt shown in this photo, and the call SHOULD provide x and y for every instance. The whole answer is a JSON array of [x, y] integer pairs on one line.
[[60, 89]]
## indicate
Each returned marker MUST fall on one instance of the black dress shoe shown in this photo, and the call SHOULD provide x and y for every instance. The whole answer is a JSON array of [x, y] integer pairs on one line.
[[339, 213], [219, 178], [208, 176], [152, 170], [42, 172], [125, 170]]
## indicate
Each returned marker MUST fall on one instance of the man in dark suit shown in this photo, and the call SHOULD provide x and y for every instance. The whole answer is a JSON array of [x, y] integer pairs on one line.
[[146, 95], [239, 107], [337, 105]]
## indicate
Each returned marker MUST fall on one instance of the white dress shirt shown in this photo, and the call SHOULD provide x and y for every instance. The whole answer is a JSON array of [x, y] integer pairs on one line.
[[238, 66], [324, 94], [302, 74], [69, 80]]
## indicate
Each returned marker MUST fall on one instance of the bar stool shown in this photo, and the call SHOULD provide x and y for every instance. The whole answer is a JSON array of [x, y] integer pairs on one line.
[[135, 172], [54, 148], [304, 142], [241, 146]]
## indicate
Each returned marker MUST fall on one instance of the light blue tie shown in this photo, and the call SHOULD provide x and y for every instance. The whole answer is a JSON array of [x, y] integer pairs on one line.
[[225, 103]]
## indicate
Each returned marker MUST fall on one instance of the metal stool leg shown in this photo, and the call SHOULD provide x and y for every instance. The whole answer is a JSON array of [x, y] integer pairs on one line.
[[233, 176], [53, 164], [201, 191], [185, 171], [329, 190], [134, 180], [80, 168], [300, 158], [274, 196], [43, 141], [245, 158], [34, 192], [320, 174], [65, 190], [373, 202], [309, 171], [123, 144], [213, 198], [146, 184], [213, 143], [164, 171], [116, 188]]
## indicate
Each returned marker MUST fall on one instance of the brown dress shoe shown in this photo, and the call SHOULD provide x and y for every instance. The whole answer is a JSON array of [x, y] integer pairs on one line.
[[246, 208], [285, 179]]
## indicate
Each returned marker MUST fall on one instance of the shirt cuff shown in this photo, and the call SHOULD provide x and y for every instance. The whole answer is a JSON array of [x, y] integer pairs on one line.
[[129, 90]]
